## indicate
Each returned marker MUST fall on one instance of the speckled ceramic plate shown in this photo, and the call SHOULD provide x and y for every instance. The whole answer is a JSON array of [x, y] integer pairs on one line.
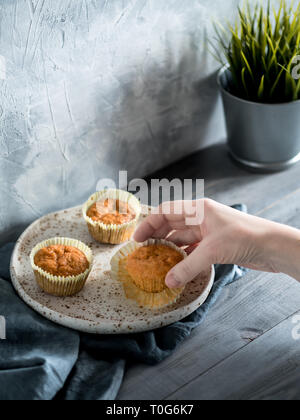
[[101, 307]]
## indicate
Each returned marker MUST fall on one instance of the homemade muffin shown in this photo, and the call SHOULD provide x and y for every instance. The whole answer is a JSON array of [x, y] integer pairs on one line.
[[112, 216], [61, 265], [61, 260], [111, 212], [142, 269], [149, 265]]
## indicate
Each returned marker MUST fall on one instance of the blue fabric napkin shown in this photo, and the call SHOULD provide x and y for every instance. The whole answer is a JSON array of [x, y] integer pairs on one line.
[[40, 360]]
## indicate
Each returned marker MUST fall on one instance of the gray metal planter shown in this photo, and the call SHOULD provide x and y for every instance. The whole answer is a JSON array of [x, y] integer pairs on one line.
[[261, 136]]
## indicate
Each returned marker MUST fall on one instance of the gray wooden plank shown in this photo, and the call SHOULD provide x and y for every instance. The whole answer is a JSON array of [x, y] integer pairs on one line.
[[256, 193], [268, 368], [212, 163], [228, 183], [286, 210], [246, 311]]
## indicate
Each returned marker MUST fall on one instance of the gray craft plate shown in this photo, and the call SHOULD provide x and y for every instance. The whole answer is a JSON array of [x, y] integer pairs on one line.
[[101, 307]]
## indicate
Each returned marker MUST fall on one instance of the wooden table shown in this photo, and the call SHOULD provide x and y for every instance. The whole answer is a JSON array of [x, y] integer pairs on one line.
[[245, 348]]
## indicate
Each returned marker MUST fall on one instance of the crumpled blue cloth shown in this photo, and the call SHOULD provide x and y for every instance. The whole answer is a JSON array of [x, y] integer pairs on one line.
[[40, 360]]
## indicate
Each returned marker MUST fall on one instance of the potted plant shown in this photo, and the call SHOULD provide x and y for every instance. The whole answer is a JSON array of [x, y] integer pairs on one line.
[[260, 95]]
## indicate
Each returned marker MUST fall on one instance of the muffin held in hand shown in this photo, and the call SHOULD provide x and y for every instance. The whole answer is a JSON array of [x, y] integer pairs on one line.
[[149, 265], [112, 216], [143, 269], [61, 266]]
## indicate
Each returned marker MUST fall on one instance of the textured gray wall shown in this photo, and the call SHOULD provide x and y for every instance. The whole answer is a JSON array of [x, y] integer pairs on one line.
[[94, 86]]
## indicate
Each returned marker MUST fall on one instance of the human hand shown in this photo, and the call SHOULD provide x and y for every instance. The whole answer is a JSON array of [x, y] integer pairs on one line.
[[223, 236]]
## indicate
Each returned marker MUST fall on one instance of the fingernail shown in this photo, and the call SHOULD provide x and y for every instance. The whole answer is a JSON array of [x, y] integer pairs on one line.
[[172, 281]]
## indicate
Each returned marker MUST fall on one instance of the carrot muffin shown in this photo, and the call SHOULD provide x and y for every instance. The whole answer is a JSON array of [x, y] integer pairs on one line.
[[143, 269], [112, 216], [61, 265], [61, 260], [111, 212], [148, 266]]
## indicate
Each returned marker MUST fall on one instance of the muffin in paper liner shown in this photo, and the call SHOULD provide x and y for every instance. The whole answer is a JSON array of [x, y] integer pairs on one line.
[[146, 299], [112, 234], [61, 286]]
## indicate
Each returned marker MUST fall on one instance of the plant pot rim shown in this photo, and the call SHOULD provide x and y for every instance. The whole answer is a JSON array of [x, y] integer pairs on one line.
[[262, 104]]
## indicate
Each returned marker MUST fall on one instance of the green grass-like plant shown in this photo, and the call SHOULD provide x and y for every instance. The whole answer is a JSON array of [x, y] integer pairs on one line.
[[260, 49]]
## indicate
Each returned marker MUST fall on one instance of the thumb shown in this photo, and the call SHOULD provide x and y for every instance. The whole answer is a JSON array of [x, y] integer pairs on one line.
[[188, 269]]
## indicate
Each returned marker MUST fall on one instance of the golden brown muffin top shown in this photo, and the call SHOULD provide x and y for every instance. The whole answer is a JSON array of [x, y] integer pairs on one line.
[[111, 212], [61, 260], [149, 265]]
